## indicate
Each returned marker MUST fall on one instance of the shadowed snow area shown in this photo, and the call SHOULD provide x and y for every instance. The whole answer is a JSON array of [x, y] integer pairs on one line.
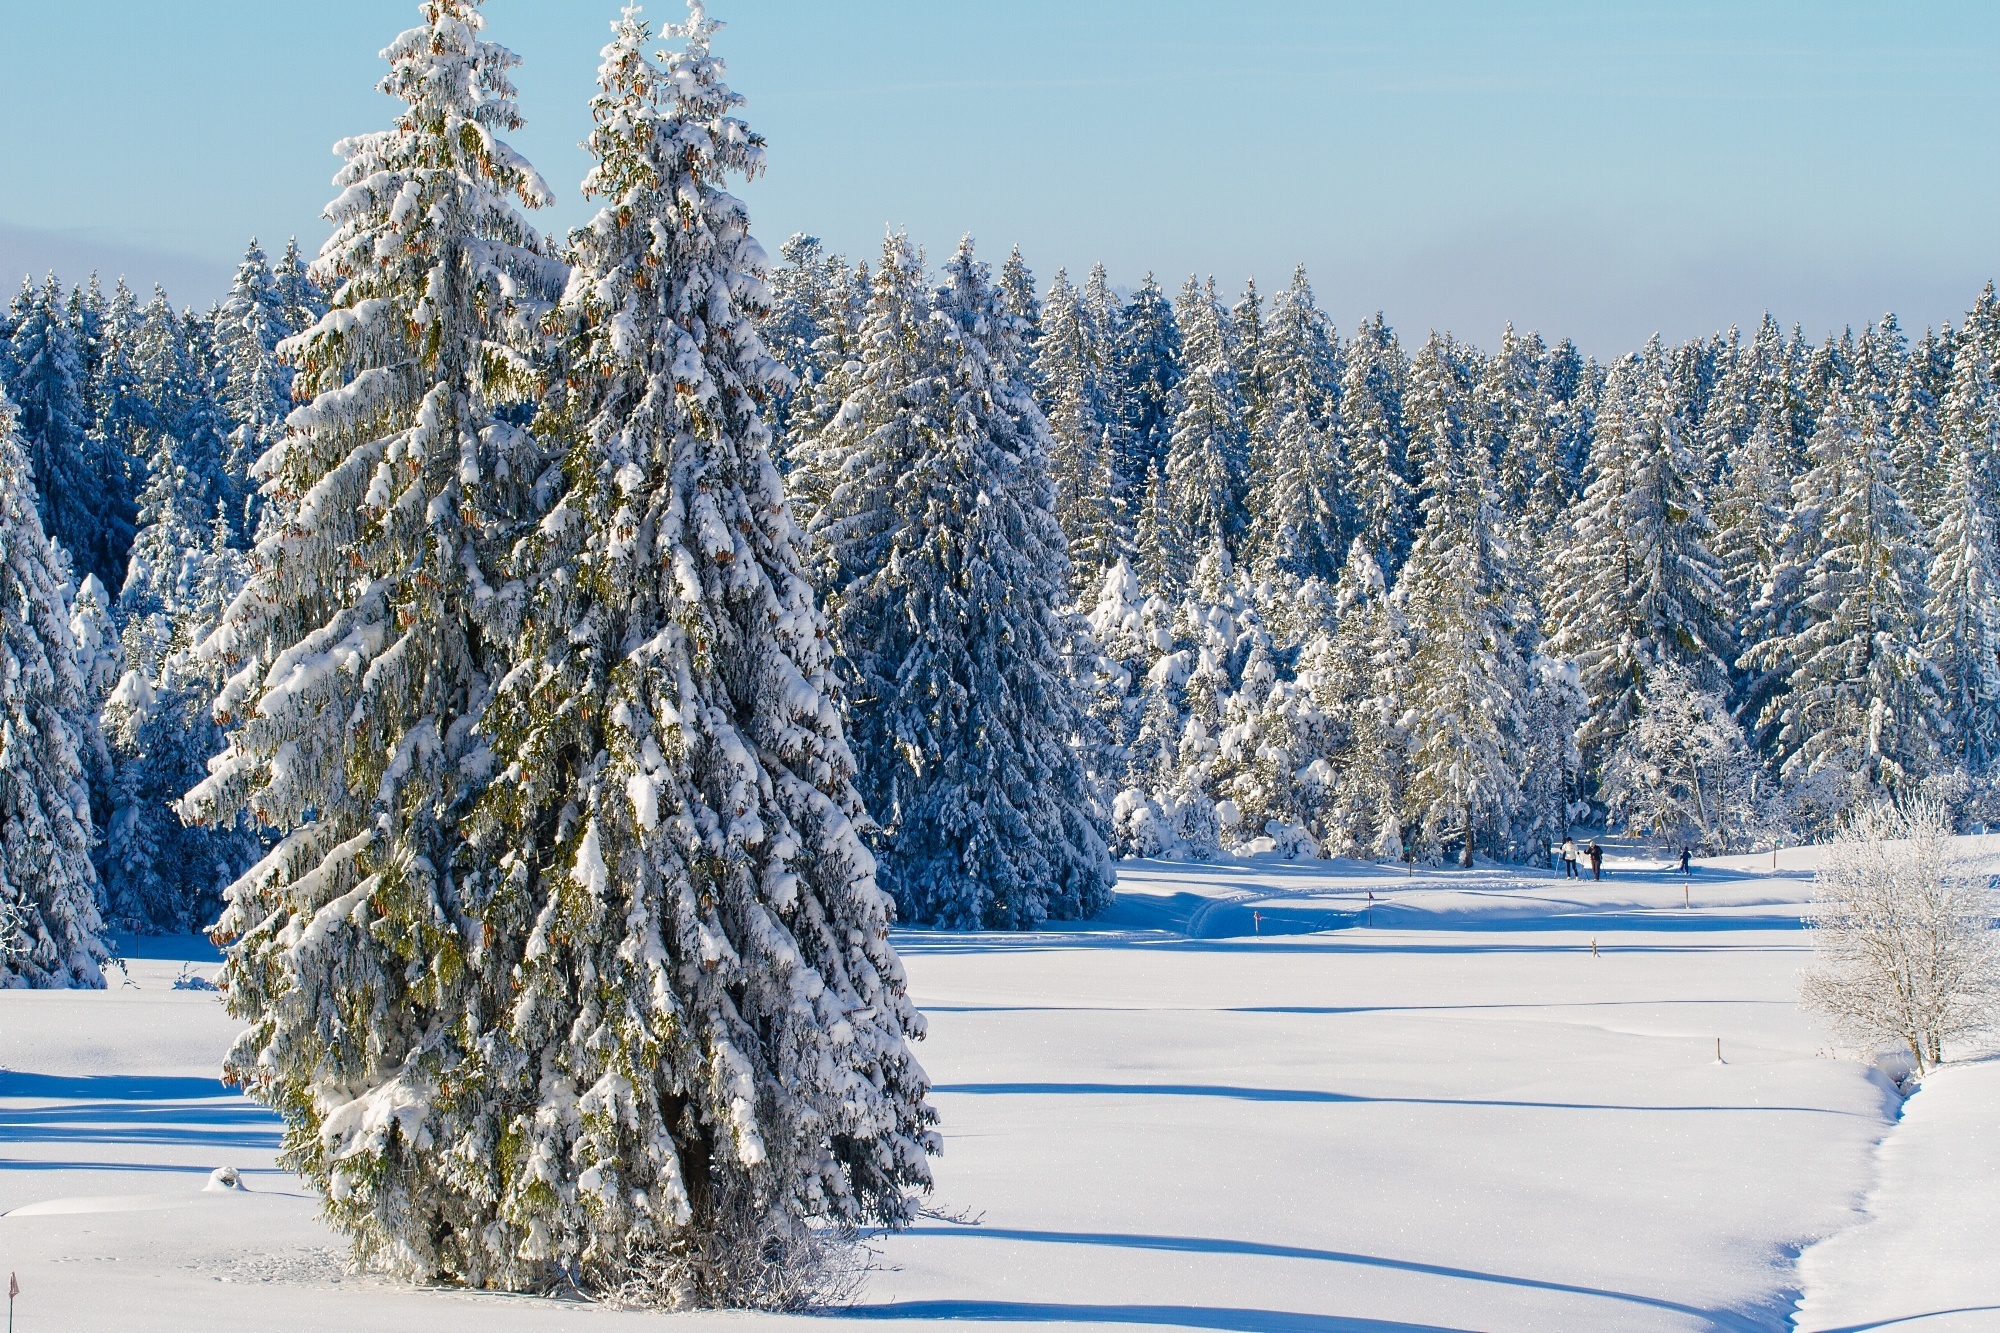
[[1256, 1096]]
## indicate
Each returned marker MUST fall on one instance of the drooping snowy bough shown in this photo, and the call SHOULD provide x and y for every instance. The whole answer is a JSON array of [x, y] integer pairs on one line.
[[708, 1029], [362, 655]]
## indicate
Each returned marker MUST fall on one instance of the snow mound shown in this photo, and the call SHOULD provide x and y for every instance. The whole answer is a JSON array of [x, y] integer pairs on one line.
[[96, 1203]]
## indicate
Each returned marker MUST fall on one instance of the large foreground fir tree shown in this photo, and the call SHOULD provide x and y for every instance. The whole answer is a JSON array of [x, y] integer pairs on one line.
[[366, 951], [705, 1045]]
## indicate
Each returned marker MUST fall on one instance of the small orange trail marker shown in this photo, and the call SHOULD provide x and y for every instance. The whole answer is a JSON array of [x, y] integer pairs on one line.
[[1256, 922]]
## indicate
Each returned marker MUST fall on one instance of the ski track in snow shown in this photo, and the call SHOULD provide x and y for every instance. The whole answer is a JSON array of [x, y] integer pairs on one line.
[[1245, 1099]]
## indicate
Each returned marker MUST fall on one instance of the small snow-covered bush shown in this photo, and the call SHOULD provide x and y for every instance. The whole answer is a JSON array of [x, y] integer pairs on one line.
[[1904, 949], [752, 1258]]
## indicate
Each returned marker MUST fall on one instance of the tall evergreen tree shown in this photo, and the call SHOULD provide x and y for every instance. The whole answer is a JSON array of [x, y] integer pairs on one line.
[[843, 478], [1857, 693], [1301, 516], [370, 951], [1071, 377], [1375, 445], [79, 487], [965, 712], [691, 920], [300, 296], [1207, 448], [1147, 358], [256, 385], [47, 883], [1467, 676], [1640, 584], [1962, 618]]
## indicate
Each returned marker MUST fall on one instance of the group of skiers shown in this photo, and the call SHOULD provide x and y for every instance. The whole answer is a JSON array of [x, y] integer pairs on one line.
[[1570, 855]]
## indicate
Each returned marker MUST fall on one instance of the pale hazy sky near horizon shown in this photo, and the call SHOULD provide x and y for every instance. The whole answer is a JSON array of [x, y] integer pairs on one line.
[[1600, 171]]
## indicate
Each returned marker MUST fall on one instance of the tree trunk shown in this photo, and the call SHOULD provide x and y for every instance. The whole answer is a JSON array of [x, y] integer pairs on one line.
[[1466, 861]]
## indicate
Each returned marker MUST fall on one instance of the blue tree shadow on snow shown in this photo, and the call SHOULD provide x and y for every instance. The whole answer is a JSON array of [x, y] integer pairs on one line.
[[132, 1108], [1177, 1316], [1318, 1096], [1261, 1250]]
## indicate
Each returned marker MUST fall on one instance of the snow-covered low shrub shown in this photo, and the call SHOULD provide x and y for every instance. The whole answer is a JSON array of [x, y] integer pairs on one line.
[[755, 1259], [1904, 947]]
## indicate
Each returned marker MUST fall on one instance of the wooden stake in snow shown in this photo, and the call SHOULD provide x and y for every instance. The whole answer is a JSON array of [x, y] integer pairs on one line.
[[1718, 1051], [13, 1290], [1593, 946], [1256, 922]]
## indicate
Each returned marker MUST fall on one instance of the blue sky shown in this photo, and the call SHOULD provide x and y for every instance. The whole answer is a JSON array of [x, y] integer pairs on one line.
[[1601, 170]]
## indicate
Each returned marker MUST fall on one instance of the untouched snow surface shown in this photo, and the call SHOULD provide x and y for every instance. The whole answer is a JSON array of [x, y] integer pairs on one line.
[[1929, 1255], [1246, 1100]]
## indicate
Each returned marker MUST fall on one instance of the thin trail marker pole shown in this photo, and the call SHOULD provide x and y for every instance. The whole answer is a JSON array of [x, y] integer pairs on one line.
[[1718, 1050], [1256, 922], [13, 1290], [1687, 896]]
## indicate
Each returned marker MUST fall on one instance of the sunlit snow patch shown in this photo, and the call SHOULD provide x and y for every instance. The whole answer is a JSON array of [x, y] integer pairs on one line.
[[96, 1203]]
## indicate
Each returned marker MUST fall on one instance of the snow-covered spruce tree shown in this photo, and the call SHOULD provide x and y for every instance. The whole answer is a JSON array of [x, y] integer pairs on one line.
[[1467, 677], [815, 310], [965, 712], [1016, 288], [117, 396], [704, 1046], [1146, 358], [158, 727], [843, 477], [183, 425], [1509, 417], [1904, 949], [256, 385], [1962, 618], [79, 488], [1359, 678], [180, 499], [1071, 379], [47, 883], [1437, 414], [300, 296], [1157, 540], [1374, 444], [1206, 446], [1639, 585], [361, 657], [1300, 513], [1857, 697]]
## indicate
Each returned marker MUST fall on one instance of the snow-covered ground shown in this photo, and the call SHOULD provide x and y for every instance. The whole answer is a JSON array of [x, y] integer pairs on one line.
[[1249, 1099]]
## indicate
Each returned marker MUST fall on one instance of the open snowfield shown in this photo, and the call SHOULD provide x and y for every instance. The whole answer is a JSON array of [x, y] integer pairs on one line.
[[1246, 1100]]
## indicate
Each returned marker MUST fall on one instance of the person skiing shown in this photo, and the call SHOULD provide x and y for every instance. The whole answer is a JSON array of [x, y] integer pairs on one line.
[[1596, 855], [1569, 858], [1686, 856]]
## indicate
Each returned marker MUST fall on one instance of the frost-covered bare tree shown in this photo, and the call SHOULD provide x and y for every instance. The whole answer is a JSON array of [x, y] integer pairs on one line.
[[1904, 948], [1682, 772]]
